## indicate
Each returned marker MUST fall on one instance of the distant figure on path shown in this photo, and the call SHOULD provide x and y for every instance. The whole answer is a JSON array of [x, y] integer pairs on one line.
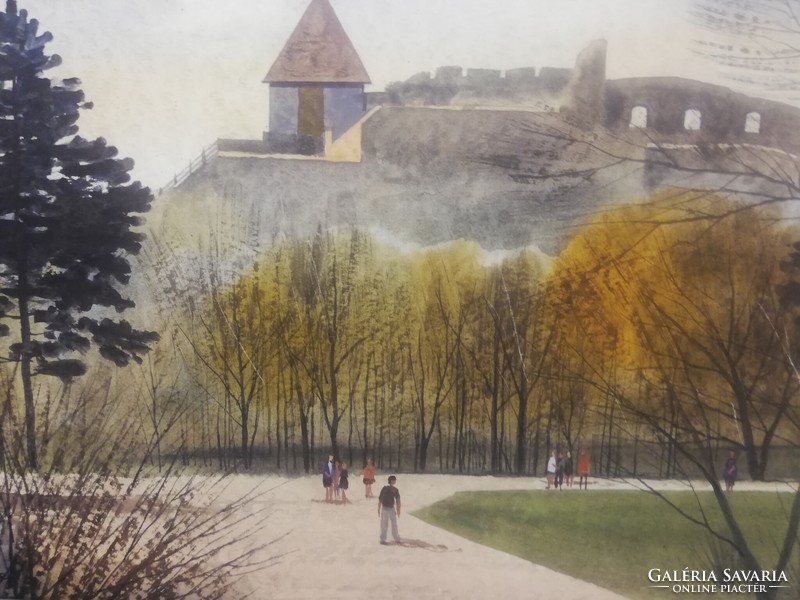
[[337, 469], [368, 475], [551, 470], [389, 509], [343, 483], [327, 478], [568, 470], [559, 470], [583, 470], [729, 471]]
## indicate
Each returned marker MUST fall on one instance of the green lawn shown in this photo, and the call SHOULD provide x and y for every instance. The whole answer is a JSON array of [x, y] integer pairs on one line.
[[613, 538]]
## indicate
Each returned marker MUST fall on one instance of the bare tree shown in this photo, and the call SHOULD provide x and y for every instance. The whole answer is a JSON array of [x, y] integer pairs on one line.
[[90, 524], [756, 42]]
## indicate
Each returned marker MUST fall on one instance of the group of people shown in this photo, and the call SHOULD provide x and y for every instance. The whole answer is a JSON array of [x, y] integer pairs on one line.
[[335, 481], [560, 470]]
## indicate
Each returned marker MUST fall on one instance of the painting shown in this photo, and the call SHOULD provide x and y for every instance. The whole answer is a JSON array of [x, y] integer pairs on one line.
[[420, 299]]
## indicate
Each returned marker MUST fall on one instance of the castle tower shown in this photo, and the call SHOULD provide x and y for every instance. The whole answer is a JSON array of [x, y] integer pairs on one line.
[[316, 84]]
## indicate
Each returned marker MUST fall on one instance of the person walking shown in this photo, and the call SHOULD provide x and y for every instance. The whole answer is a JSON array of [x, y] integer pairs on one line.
[[583, 470], [568, 469], [551, 470], [327, 478], [389, 509], [368, 477], [559, 471]]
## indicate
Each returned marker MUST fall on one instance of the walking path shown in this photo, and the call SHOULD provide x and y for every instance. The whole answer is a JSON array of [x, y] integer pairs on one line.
[[332, 551]]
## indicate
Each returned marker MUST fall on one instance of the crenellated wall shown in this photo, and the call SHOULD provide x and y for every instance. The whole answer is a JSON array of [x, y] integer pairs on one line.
[[453, 85], [656, 105], [471, 154]]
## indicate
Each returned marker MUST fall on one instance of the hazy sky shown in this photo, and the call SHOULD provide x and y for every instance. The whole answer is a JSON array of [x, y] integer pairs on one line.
[[169, 77]]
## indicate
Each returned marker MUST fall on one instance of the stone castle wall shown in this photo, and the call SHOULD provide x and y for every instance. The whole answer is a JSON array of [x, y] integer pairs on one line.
[[723, 115], [669, 109], [455, 85]]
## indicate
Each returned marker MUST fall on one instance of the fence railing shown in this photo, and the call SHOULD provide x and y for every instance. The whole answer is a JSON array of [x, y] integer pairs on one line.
[[207, 155]]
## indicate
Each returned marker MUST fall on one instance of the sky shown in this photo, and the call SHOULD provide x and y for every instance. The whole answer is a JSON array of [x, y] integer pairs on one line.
[[168, 78]]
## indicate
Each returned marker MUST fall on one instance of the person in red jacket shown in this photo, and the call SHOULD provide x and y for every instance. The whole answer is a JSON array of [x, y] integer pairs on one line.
[[583, 470]]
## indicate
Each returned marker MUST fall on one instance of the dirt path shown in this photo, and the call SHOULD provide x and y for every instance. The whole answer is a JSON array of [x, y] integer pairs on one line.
[[332, 551]]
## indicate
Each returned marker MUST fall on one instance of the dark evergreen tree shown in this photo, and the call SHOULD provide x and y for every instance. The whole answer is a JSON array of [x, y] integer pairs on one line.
[[67, 213]]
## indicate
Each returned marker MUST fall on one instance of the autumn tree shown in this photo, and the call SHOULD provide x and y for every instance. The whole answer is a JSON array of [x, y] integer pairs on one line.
[[516, 303], [443, 292], [694, 312], [328, 289], [228, 344]]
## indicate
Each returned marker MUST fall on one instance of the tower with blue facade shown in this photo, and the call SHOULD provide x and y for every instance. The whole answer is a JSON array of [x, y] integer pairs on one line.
[[316, 84]]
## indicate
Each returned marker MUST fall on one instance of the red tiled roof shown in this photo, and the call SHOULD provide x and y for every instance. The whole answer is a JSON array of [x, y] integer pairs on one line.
[[318, 51]]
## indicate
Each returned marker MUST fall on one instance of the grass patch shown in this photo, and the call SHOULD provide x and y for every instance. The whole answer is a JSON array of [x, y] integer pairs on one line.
[[613, 538]]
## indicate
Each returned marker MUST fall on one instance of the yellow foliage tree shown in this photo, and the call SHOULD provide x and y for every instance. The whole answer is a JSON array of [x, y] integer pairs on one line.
[[691, 309]]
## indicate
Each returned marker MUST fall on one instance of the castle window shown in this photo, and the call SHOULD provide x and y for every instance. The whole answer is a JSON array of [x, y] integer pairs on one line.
[[639, 117], [692, 119], [752, 124]]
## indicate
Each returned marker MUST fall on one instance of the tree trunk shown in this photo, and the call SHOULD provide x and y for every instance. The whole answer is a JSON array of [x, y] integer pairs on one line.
[[245, 436], [25, 370], [537, 438], [422, 453], [493, 417], [522, 419], [278, 449], [365, 423]]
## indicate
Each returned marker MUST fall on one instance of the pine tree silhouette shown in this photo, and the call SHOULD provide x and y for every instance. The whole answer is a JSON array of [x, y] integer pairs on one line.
[[67, 213]]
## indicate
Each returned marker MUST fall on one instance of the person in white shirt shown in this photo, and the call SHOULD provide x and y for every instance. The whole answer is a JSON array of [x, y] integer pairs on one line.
[[551, 470]]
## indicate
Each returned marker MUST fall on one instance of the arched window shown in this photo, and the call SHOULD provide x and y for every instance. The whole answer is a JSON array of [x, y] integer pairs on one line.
[[752, 124], [692, 119], [639, 117]]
